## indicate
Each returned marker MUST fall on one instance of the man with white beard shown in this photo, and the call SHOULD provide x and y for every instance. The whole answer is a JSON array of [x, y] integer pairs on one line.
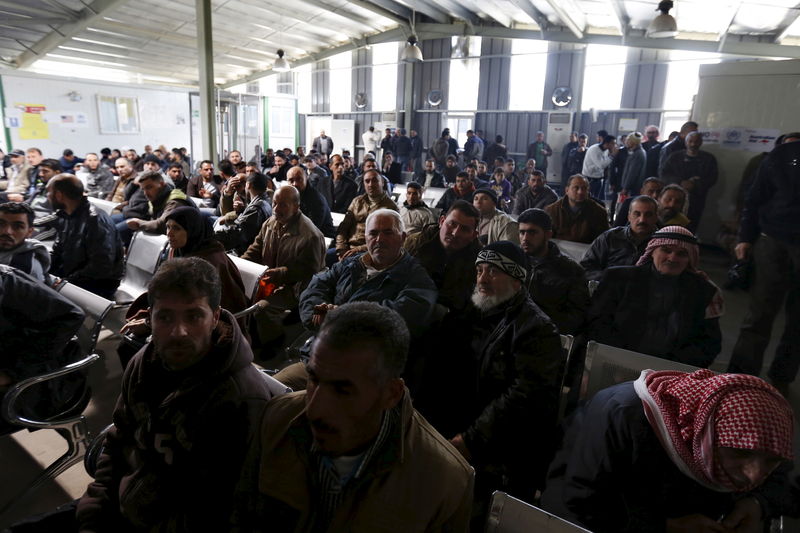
[[505, 419]]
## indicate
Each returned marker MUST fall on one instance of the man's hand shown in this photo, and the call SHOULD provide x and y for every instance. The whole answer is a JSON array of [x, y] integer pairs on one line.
[[745, 517], [688, 185], [133, 223], [15, 197], [119, 206], [275, 275], [274, 170], [743, 250], [230, 187], [238, 204], [204, 193], [319, 313], [695, 523], [458, 444]]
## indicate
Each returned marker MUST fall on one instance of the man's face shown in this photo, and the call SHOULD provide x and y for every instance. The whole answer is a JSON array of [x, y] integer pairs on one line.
[[131, 155], [450, 163], [533, 239], [284, 207], [509, 167], [372, 184], [471, 172], [746, 468], [388, 132], [311, 164], [652, 134], [250, 169], [457, 231], [235, 157], [582, 141], [337, 168], [652, 189], [150, 166], [370, 164], [670, 203], [14, 229], [412, 133], [124, 170], [536, 183], [578, 191], [484, 204], [462, 184], [207, 171], [573, 138], [670, 260], [643, 218], [151, 188], [428, 166], [17, 159], [482, 168], [182, 329], [694, 142], [383, 239], [297, 179], [539, 137], [413, 196], [345, 399], [92, 162], [280, 160], [33, 157], [46, 173], [530, 164], [492, 287], [174, 173]]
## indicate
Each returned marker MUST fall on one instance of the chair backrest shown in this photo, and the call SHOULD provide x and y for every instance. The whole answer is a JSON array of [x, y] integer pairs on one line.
[[608, 365], [337, 219], [399, 193], [96, 309], [199, 202], [432, 195], [103, 205], [510, 515], [144, 255], [567, 343], [276, 388], [574, 250], [251, 272]]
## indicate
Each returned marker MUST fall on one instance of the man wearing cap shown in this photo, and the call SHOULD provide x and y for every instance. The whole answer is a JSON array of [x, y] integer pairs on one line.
[[536, 194], [17, 174], [555, 282], [622, 246], [505, 414], [416, 215], [495, 225], [576, 217], [663, 306]]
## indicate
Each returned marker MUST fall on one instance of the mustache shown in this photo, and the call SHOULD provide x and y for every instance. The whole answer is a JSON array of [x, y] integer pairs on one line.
[[319, 425]]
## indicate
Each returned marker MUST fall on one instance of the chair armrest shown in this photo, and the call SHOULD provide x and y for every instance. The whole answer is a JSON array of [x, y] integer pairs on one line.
[[9, 410]]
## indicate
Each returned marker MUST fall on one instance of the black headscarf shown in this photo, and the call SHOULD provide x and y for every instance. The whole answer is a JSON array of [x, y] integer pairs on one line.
[[198, 228]]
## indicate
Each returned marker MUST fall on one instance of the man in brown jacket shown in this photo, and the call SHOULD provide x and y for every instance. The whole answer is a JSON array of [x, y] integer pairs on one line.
[[576, 217], [350, 453], [293, 249]]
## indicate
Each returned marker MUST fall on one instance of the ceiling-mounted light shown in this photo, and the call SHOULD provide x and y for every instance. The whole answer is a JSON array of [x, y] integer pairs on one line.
[[281, 65], [411, 53], [663, 25]]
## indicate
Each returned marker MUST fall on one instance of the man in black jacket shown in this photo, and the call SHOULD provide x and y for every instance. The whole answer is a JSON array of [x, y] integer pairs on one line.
[[88, 251], [312, 204], [240, 233]]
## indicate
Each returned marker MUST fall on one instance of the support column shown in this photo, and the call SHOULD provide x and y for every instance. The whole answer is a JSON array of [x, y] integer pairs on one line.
[[205, 64], [578, 75], [408, 98]]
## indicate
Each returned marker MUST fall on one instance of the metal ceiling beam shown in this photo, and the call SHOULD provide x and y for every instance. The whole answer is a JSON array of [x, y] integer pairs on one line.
[[379, 10], [725, 28], [432, 10], [25, 22], [570, 15], [780, 31], [532, 11], [622, 16], [19, 7], [454, 7], [63, 33]]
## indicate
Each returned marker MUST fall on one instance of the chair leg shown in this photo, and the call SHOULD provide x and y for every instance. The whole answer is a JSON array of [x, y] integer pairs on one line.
[[78, 438]]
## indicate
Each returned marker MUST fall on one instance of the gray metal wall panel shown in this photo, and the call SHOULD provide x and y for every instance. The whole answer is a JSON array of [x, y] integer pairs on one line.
[[428, 76], [644, 83], [401, 81], [362, 77], [561, 65], [320, 87], [494, 74]]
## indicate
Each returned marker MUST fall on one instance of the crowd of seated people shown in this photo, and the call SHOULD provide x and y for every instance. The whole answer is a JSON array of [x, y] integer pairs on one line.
[[435, 370]]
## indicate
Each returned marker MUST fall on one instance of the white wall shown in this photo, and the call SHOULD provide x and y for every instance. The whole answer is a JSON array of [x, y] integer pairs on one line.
[[160, 112], [747, 94]]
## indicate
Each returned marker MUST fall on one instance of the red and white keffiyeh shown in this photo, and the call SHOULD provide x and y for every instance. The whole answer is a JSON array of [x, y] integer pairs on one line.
[[695, 413]]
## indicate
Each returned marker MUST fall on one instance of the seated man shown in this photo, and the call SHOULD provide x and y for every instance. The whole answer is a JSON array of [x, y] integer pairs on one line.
[[371, 164], [494, 225], [447, 251], [162, 198], [344, 188], [673, 452], [97, 179], [536, 194], [242, 231], [319, 179], [350, 237], [87, 251], [662, 306], [189, 405], [576, 217], [312, 204], [355, 433], [17, 249], [622, 246], [205, 184], [294, 250], [45, 221], [430, 177], [671, 205], [464, 189], [555, 282], [416, 215], [386, 274], [651, 187], [451, 169]]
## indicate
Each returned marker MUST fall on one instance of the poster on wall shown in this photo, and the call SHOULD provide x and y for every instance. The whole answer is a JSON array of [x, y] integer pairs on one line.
[[32, 124], [750, 139]]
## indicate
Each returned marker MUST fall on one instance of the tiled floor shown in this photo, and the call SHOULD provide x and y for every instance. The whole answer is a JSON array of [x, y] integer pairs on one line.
[[23, 455]]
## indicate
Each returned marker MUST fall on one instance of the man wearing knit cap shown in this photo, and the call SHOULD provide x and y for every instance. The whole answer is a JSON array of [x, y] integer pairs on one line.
[[663, 306], [555, 282], [505, 416], [495, 225]]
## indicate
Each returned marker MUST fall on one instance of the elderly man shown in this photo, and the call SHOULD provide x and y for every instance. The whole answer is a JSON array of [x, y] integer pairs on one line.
[[536, 194], [651, 187], [495, 225], [240, 233], [97, 179], [162, 198], [189, 405], [555, 282], [386, 273], [17, 249], [312, 203], [576, 217], [671, 202], [294, 250], [622, 246], [88, 251], [350, 452], [416, 215], [696, 171]]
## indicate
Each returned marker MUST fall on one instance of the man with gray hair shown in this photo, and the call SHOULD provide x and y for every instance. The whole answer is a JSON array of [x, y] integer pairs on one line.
[[385, 273]]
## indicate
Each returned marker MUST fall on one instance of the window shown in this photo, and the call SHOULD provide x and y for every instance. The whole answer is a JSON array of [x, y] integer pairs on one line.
[[459, 125], [384, 76], [118, 114], [341, 82], [303, 88], [603, 77], [683, 77], [464, 74], [528, 71]]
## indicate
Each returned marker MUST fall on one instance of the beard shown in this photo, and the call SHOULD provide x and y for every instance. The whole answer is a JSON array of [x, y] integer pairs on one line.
[[485, 303], [665, 214]]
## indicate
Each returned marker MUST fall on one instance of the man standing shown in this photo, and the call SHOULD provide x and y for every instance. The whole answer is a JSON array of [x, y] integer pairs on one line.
[[651, 133], [537, 194], [576, 217], [370, 138], [573, 143], [415, 214], [623, 246], [312, 203], [473, 148], [495, 225], [402, 149], [322, 144], [416, 151], [350, 452], [574, 164], [190, 403], [440, 148], [88, 251], [696, 171], [387, 143], [97, 179], [539, 151], [555, 282], [17, 249], [598, 158], [675, 145]]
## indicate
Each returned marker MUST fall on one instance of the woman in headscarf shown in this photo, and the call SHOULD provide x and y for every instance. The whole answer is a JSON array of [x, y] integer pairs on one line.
[[663, 306], [674, 451]]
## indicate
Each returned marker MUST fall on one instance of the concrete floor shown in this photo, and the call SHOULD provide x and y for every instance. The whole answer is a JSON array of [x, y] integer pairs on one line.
[[23, 455]]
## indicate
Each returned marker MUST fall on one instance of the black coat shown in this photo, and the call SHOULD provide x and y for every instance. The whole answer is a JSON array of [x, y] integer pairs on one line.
[[556, 284], [613, 247], [314, 206]]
